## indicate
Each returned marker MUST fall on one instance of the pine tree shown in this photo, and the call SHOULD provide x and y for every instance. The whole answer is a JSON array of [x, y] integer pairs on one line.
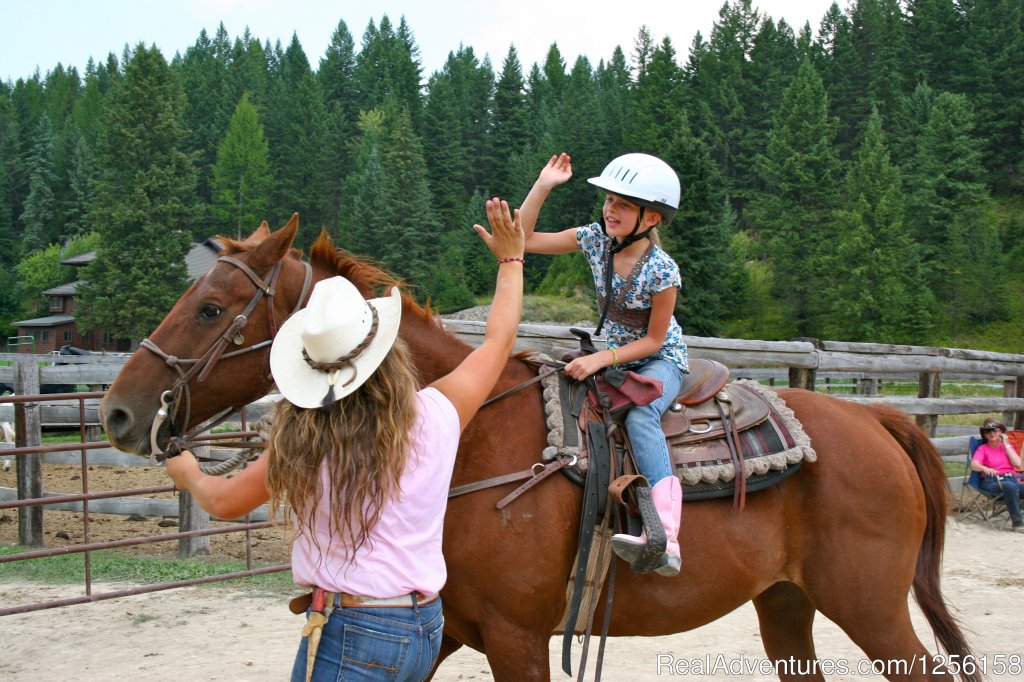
[[947, 212], [699, 236], [248, 71], [40, 215], [456, 122], [577, 127], [510, 132], [794, 218], [614, 96], [241, 176], [80, 177], [874, 295], [296, 127], [869, 67], [657, 101], [994, 80], [143, 202], [9, 245], [409, 241], [203, 75], [364, 207], [723, 86], [388, 65], [336, 77], [935, 39], [391, 216]]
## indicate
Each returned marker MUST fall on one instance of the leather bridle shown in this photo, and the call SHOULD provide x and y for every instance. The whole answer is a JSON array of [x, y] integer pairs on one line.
[[201, 367]]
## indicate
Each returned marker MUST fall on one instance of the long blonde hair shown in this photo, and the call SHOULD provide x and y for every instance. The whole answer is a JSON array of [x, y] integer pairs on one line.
[[363, 440]]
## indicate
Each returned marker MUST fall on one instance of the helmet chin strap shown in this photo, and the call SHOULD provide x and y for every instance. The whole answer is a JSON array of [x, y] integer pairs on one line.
[[610, 267]]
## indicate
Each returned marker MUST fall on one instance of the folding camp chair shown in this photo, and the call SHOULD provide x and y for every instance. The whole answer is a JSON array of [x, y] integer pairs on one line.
[[977, 502]]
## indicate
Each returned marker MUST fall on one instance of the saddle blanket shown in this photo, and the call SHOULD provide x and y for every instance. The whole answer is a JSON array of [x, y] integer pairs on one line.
[[772, 448]]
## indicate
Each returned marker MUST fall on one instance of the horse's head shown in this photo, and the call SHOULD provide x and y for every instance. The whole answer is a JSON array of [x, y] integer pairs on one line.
[[211, 351]]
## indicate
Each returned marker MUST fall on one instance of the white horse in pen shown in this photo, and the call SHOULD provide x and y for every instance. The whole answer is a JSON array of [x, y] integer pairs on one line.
[[7, 438]]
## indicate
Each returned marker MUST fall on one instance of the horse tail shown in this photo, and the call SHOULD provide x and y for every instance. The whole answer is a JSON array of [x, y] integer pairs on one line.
[[926, 585]]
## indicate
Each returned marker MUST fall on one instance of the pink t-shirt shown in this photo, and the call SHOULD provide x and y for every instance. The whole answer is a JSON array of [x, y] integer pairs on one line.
[[403, 551], [993, 458]]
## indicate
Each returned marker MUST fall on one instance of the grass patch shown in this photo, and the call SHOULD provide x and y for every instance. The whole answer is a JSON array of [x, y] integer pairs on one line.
[[112, 566], [557, 309], [955, 469]]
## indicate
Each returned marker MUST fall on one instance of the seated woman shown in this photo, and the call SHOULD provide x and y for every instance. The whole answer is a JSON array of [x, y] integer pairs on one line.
[[998, 464]]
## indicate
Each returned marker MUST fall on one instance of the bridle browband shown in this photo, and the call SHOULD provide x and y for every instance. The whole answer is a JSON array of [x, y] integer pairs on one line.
[[200, 368]]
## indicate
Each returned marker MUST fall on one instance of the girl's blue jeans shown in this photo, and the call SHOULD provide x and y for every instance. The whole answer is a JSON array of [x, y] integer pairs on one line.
[[643, 423], [399, 644]]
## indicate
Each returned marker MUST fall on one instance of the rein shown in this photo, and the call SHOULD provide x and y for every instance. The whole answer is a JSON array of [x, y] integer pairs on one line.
[[200, 368], [534, 475]]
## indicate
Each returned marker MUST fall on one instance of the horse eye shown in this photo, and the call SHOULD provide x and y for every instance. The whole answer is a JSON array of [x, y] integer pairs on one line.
[[209, 312]]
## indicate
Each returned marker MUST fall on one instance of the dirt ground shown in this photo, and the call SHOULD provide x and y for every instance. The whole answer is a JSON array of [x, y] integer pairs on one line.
[[66, 528], [230, 633]]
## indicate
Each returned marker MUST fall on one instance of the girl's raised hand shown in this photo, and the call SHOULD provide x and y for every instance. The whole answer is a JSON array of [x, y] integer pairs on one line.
[[557, 171]]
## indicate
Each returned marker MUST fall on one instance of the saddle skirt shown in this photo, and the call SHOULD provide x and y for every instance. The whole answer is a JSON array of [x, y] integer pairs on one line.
[[772, 441]]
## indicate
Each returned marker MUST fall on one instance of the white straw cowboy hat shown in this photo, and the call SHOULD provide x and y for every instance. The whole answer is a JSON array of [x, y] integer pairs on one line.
[[329, 348]]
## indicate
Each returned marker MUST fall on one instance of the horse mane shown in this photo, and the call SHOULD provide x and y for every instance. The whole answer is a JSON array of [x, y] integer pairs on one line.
[[368, 276]]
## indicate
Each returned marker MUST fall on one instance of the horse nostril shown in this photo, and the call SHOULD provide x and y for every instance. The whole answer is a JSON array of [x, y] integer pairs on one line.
[[116, 422]]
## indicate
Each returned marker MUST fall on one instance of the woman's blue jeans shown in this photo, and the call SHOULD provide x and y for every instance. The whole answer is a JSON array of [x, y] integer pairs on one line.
[[377, 644], [1011, 490], [643, 423]]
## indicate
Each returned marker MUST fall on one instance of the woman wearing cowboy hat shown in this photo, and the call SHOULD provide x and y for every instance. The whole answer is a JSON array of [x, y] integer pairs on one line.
[[999, 464], [364, 461]]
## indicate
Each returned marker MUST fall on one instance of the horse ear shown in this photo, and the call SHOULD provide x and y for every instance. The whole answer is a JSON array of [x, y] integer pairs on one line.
[[275, 247]]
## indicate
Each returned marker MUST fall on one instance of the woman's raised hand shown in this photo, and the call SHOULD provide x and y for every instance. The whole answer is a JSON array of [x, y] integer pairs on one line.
[[557, 171], [506, 238]]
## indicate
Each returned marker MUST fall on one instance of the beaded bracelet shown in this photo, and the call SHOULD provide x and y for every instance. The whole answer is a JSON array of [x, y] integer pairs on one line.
[[511, 260]]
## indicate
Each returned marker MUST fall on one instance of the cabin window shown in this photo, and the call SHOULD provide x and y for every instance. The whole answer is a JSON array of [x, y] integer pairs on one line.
[[69, 337], [56, 303]]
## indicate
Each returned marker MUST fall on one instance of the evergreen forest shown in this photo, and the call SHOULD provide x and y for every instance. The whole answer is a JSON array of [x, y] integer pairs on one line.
[[858, 180]]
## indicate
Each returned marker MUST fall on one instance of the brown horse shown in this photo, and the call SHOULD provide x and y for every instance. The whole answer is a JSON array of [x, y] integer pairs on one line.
[[847, 536]]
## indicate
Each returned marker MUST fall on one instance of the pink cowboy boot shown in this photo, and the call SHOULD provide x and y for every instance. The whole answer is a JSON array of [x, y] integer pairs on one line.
[[667, 495]]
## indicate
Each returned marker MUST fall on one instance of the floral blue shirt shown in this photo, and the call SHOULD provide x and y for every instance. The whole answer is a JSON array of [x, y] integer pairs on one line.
[[658, 273]]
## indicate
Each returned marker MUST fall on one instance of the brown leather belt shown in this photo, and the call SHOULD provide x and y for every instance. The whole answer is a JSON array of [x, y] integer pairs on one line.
[[354, 601]]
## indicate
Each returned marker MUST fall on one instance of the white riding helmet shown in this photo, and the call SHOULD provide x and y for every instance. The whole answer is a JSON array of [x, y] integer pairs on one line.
[[643, 179]]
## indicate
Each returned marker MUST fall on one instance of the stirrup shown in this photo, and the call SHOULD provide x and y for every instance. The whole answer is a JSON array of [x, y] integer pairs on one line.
[[645, 555]]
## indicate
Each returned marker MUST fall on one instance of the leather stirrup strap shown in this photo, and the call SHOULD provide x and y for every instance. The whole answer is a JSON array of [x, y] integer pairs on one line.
[[598, 448], [739, 499]]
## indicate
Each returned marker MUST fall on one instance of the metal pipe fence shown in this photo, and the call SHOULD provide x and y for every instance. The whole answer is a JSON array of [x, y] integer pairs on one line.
[[31, 502]]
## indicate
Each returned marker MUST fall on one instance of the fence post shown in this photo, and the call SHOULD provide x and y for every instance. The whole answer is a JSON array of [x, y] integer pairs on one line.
[[801, 378], [28, 429], [1012, 389], [929, 385], [192, 517]]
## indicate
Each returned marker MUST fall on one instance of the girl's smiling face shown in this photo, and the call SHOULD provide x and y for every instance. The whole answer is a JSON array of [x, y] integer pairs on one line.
[[620, 216]]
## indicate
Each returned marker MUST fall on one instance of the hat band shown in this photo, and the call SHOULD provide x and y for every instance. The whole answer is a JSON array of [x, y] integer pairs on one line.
[[345, 360]]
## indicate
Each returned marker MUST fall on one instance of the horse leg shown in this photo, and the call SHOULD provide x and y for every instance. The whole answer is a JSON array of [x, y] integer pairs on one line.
[[448, 647], [517, 654], [887, 637], [786, 617]]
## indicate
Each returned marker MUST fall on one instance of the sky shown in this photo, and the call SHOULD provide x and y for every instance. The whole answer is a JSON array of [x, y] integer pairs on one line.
[[42, 33]]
